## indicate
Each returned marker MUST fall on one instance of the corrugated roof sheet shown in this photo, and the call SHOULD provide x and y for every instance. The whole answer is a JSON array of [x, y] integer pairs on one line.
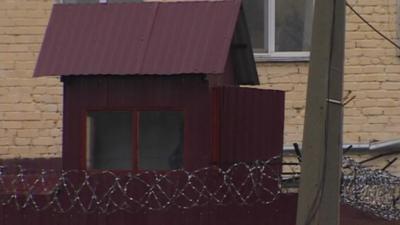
[[138, 38]]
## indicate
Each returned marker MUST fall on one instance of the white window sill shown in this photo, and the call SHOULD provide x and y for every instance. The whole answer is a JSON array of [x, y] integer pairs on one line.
[[282, 57]]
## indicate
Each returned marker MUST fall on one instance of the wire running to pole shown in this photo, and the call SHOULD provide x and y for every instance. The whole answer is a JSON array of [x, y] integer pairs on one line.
[[371, 26]]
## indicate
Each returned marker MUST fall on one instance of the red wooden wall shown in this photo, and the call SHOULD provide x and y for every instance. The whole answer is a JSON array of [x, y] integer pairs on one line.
[[251, 124], [189, 93], [222, 124], [281, 212]]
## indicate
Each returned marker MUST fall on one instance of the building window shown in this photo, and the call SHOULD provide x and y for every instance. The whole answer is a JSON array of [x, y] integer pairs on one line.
[[279, 29], [138, 140]]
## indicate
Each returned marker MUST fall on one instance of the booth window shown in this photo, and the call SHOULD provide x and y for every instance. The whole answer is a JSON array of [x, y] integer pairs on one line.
[[138, 140]]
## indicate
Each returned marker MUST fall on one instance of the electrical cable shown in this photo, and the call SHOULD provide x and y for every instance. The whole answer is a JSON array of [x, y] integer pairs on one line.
[[371, 26]]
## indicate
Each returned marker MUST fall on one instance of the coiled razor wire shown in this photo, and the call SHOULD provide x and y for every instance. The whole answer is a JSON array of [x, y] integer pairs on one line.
[[244, 184], [106, 191], [371, 190]]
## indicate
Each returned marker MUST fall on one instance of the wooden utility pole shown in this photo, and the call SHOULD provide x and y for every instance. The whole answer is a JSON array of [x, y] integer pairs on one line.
[[319, 193]]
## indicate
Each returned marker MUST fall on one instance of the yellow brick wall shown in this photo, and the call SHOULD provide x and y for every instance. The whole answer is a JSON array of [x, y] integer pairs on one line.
[[31, 109], [372, 75]]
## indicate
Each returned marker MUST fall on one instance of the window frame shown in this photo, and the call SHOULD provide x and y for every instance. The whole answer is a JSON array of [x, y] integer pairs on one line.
[[135, 135], [269, 40]]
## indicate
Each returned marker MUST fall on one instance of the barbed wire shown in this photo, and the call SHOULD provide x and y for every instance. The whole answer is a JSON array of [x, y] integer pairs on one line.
[[244, 184], [372, 190], [106, 191]]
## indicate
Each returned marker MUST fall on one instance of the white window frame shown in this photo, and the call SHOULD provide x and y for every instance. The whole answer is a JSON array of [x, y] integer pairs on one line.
[[269, 41]]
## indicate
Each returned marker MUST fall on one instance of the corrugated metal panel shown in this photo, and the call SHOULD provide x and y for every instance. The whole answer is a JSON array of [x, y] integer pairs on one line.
[[138, 38], [251, 124], [280, 212], [187, 94]]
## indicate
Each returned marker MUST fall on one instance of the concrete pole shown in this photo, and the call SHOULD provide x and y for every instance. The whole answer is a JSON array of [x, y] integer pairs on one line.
[[319, 193], [308, 18]]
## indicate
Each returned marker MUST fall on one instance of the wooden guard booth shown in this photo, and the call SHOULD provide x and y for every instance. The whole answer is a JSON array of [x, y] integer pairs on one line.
[[157, 86], [129, 67]]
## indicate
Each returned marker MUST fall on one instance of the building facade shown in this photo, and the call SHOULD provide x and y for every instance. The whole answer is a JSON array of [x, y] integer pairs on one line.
[[31, 108]]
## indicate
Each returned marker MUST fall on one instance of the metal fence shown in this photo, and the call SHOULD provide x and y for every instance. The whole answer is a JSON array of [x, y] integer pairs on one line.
[[241, 184], [106, 191]]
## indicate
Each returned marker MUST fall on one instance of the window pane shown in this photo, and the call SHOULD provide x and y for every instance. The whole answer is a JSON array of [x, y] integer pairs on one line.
[[293, 20], [160, 140], [254, 11], [109, 140]]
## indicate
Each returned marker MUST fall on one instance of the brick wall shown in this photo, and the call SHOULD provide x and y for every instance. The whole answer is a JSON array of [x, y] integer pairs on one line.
[[30, 109], [372, 70]]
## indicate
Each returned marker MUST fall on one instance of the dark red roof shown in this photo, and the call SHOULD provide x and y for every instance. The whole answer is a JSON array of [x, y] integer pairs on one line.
[[138, 38]]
